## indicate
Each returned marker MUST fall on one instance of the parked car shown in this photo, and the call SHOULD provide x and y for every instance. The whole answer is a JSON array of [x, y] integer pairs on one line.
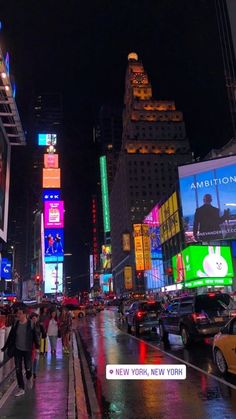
[[142, 314], [224, 348], [196, 317]]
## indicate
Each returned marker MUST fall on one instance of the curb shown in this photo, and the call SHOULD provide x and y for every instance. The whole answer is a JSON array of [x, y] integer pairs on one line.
[[77, 406]]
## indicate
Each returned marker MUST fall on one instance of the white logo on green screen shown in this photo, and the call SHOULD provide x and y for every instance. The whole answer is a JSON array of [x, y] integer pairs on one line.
[[214, 265]]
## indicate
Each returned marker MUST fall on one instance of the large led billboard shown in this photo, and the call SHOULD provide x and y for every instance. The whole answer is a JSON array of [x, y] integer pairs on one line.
[[105, 282], [51, 178], [128, 277], [169, 218], [153, 217], [53, 275], [105, 197], [142, 247], [106, 257], [208, 196], [54, 214], [4, 184], [6, 269], [197, 262], [155, 277], [54, 245], [51, 195], [47, 139], [51, 161]]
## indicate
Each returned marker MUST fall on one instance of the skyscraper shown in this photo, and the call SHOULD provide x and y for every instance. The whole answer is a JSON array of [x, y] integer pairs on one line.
[[154, 143]]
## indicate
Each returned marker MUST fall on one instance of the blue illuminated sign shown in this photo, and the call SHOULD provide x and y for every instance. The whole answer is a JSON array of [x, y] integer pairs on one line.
[[6, 269], [51, 195], [47, 139], [54, 245]]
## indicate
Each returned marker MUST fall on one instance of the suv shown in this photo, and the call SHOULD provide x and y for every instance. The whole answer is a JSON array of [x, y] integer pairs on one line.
[[196, 317], [142, 314]]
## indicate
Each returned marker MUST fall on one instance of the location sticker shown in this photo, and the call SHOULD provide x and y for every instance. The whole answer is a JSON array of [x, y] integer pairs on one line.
[[145, 372]]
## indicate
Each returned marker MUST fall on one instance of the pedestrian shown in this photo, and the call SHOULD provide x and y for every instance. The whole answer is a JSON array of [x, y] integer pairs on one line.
[[52, 329], [65, 329], [40, 331], [19, 344], [43, 340]]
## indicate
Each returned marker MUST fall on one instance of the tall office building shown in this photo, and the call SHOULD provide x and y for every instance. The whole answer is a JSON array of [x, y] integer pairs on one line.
[[109, 135], [226, 21], [154, 143]]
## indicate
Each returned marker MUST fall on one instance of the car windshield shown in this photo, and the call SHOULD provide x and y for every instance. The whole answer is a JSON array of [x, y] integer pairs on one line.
[[214, 302], [150, 306]]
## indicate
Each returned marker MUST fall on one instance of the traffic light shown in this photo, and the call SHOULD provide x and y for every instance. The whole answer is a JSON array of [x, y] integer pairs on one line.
[[139, 274], [37, 279]]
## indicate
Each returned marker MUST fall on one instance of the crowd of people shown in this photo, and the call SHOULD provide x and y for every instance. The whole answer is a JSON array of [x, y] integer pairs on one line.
[[29, 336]]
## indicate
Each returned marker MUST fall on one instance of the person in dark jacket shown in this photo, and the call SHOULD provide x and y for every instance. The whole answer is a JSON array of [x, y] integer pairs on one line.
[[20, 344], [41, 333]]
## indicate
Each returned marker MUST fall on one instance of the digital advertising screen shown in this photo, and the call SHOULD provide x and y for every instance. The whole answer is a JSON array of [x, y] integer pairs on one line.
[[155, 276], [51, 161], [6, 269], [47, 139], [51, 195], [203, 262], [54, 214], [153, 217], [106, 257], [4, 184], [51, 178], [54, 245], [105, 281], [169, 218], [208, 196], [53, 274]]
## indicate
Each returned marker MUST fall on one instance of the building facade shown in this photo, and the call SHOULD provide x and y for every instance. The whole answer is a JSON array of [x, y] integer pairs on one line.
[[154, 143]]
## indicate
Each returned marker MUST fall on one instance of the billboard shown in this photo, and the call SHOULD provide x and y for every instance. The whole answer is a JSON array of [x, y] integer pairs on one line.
[[51, 161], [106, 257], [105, 196], [203, 262], [91, 270], [54, 214], [54, 245], [155, 277], [47, 139], [4, 184], [53, 274], [142, 247], [6, 269], [208, 195], [51, 195], [169, 218], [51, 178], [105, 282], [126, 245], [128, 279], [153, 217]]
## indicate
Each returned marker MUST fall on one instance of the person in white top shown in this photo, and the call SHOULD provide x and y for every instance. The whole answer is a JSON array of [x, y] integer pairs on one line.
[[52, 331]]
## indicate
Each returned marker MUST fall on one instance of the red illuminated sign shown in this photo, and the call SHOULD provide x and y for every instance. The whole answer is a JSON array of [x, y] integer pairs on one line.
[[51, 161]]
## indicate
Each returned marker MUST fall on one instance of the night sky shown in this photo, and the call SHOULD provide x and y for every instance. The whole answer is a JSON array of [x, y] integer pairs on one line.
[[80, 49]]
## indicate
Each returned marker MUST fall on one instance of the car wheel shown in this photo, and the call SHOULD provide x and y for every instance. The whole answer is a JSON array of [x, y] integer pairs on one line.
[[185, 337], [80, 315], [220, 361], [128, 328], [162, 332]]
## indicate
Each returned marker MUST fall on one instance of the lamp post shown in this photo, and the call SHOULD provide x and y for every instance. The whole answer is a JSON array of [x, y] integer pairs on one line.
[[13, 267]]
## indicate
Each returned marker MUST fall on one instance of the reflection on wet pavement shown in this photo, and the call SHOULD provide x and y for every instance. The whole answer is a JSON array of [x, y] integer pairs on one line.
[[200, 396]]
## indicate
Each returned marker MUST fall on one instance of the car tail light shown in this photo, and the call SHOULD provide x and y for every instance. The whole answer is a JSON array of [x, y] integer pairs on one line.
[[198, 317], [233, 313], [141, 314], [211, 294]]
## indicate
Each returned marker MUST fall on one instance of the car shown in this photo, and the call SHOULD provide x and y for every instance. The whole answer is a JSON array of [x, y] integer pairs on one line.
[[142, 314], [90, 310], [77, 311], [99, 306], [196, 317], [224, 348]]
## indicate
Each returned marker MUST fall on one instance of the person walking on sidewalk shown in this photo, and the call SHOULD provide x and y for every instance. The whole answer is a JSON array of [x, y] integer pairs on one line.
[[52, 328], [19, 344], [65, 328], [44, 317], [40, 331]]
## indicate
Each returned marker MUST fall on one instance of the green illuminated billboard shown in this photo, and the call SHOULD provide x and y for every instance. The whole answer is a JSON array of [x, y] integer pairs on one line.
[[105, 196], [203, 262]]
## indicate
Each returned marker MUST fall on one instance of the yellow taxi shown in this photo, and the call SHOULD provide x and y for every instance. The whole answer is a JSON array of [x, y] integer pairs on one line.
[[77, 312], [224, 348]]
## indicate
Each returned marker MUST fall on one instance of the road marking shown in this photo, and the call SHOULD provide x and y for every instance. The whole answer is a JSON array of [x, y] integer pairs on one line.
[[8, 393], [221, 380]]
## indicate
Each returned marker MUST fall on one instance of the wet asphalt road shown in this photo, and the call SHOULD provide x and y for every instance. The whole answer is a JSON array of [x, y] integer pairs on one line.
[[200, 396]]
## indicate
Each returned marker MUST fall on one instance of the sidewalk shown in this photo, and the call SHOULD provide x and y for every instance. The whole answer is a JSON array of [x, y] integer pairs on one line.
[[49, 396]]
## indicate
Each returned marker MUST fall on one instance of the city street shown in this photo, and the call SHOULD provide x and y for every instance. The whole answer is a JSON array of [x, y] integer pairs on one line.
[[203, 395]]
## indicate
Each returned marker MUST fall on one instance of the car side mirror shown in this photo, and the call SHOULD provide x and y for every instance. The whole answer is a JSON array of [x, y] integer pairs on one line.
[[224, 330]]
